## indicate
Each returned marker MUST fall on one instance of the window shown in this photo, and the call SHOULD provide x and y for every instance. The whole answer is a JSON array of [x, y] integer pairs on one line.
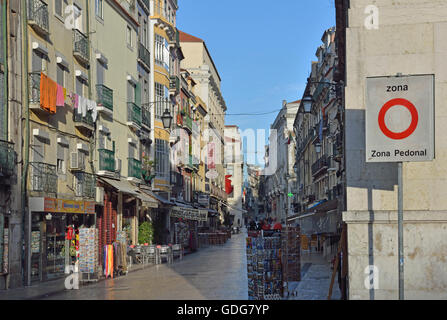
[[60, 166], [130, 92], [159, 100], [58, 7], [161, 158], [159, 49], [100, 73], [129, 36], [99, 8], [79, 87], [78, 18], [60, 75]]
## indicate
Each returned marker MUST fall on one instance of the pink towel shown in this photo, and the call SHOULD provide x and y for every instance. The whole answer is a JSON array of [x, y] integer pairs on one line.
[[76, 100], [60, 101]]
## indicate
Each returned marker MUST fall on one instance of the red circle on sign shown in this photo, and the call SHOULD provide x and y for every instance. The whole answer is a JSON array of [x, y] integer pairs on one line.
[[414, 119]]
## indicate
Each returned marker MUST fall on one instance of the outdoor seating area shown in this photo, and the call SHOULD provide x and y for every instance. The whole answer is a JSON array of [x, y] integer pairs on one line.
[[213, 238], [154, 254]]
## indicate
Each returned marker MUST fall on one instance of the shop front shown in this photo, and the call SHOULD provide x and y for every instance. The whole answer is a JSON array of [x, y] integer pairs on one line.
[[54, 235], [184, 221]]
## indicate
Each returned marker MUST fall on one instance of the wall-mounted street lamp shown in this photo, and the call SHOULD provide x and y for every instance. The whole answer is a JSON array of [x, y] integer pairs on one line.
[[318, 148], [307, 101], [166, 118]]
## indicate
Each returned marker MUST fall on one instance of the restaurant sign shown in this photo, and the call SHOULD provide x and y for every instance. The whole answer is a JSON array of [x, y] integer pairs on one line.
[[189, 214]]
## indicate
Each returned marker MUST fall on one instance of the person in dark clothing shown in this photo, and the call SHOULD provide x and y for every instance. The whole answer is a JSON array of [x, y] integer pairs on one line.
[[261, 225], [252, 225]]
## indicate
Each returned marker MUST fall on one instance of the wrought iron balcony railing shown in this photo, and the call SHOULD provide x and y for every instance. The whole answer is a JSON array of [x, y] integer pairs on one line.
[[134, 169], [174, 83], [104, 96], [146, 3], [7, 159], [80, 46], [34, 87], [38, 15], [85, 185], [43, 177], [133, 113], [320, 164], [88, 119], [144, 55], [106, 160]]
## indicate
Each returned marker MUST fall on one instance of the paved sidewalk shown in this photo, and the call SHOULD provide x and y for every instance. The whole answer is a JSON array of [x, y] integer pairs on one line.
[[316, 276], [50, 288]]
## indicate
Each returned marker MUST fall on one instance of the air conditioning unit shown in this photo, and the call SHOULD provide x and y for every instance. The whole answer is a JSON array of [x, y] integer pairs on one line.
[[77, 161], [99, 195], [117, 165]]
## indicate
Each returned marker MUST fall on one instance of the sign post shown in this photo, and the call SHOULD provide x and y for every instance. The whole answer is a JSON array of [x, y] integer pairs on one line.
[[400, 128]]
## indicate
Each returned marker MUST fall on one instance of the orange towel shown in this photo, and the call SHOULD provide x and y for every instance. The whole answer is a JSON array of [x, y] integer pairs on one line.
[[43, 91], [48, 92], [52, 95]]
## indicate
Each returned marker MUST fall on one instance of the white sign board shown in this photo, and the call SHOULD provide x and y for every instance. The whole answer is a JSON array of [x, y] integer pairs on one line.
[[400, 118]]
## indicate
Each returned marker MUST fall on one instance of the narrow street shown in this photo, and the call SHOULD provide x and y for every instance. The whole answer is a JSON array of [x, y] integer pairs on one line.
[[216, 273]]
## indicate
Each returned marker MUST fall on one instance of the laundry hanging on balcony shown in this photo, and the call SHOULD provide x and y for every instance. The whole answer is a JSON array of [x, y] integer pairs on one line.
[[82, 105], [48, 92], [60, 100]]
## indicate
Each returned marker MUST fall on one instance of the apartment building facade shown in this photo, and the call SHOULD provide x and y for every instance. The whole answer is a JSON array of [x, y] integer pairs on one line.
[[234, 174], [319, 134], [11, 196], [203, 71], [280, 156]]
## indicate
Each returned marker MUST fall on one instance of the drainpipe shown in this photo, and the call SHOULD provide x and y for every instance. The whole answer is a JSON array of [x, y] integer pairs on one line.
[[26, 223], [5, 66]]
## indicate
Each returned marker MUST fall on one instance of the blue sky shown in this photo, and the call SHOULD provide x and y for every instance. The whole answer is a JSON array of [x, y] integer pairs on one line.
[[262, 49]]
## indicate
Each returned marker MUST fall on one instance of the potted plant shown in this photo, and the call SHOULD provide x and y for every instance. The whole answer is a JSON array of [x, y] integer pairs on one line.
[[147, 168]]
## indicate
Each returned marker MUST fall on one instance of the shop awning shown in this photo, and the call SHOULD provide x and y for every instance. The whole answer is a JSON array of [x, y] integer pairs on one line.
[[183, 205], [147, 200], [122, 186], [157, 197], [126, 187]]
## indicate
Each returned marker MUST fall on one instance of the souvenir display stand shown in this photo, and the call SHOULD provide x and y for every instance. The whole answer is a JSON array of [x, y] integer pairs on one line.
[[291, 259], [264, 268], [88, 255]]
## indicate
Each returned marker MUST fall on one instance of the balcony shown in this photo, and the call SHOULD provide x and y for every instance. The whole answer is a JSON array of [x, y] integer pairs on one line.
[[174, 84], [106, 161], [187, 122], [7, 160], [145, 117], [320, 165], [34, 92], [144, 56], [134, 170], [83, 123], [146, 3], [85, 185], [80, 47], [133, 116], [104, 99], [38, 16], [43, 177]]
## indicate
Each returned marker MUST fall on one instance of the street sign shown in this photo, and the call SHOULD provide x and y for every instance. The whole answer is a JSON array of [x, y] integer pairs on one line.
[[400, 118]]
